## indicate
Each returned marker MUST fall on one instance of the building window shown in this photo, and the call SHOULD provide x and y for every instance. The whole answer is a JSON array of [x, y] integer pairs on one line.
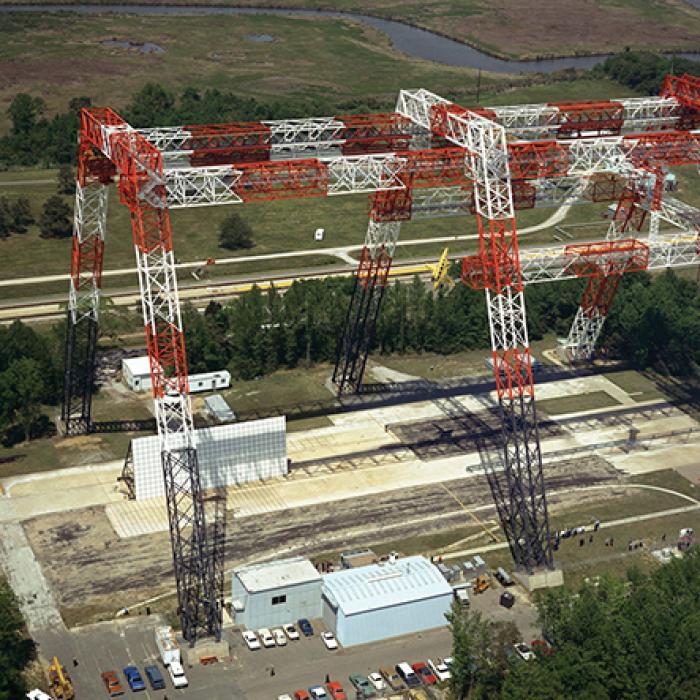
[[279, 599]]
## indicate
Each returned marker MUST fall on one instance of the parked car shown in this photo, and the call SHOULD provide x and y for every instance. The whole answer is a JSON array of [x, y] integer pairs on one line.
[[393, 679], [268, 641], [177, 674], [155, 677], [301, 695], [440, 669], [523, 651], [329, 640], [133, 678], [424, 673], [251, 639], [318, 692], [408, 674], [284, 697], [280, 636], [112, 684], [305, 627], [336, 691], [37, 694], [291, 631], [377, 681], [362, 685]]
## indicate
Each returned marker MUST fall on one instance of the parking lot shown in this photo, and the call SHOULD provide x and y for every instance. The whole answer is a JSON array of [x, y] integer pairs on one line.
[[264, 673]]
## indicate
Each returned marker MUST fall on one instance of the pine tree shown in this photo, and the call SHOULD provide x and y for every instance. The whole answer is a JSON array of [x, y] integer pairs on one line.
[[21, 215], [55, 221]]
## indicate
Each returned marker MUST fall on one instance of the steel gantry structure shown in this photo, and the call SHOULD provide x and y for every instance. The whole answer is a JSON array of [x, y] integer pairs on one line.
[[429, 157]]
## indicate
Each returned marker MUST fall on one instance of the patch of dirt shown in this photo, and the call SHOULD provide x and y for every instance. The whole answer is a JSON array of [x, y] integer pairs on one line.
[[88, 565], [79, 441], [28, 72]]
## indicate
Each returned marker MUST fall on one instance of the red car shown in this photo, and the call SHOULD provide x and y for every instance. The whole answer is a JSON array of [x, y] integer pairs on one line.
[[541, 646], [336, 691], [112, 684], [301, 695], [424, 673]]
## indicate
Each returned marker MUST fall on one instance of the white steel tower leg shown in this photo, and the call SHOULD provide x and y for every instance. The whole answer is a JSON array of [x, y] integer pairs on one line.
[[89, 230]]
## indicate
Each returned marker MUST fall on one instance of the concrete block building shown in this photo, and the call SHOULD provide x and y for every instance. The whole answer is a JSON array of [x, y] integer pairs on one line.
[[273, 593], [390, 599]]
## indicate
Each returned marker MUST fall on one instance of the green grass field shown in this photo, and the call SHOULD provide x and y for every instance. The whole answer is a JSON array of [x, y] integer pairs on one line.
[[278, 227], [515, 29], [588, 401], [62, 56]]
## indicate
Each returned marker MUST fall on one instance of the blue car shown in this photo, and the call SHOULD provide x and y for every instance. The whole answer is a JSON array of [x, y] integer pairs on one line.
[[133, 678], [305, 627], [155, 678]]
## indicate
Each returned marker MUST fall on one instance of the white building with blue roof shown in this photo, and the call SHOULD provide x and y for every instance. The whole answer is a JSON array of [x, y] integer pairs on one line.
[[385, 600]]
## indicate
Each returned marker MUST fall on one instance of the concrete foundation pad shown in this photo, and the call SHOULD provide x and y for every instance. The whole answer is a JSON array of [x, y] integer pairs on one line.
[[204, 649], [544, 578]]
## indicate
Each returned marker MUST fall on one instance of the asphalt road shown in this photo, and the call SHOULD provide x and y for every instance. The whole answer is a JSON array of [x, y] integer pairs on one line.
[[113, 645]]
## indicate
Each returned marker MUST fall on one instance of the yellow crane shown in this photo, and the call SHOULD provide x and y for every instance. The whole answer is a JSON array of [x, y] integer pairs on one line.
[[60, 682], [439, 271]]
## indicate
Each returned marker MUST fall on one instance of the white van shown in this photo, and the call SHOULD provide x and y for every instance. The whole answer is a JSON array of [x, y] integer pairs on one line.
[[177, 673], [408, 674]]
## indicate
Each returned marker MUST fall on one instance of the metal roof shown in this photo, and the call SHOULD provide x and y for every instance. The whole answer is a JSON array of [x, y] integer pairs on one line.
[[217, 405], [277, 574], [383, 585], [138, 366]]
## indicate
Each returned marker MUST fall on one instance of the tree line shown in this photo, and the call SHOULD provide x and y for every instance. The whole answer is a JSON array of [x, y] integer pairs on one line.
[[654, 323], [37, 139], [16, 648], [31, 377], [644, 71], [626, 639]]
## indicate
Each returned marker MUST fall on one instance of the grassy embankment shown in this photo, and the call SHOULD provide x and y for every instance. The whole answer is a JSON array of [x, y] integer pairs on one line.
[[308, 58], [522, 30]]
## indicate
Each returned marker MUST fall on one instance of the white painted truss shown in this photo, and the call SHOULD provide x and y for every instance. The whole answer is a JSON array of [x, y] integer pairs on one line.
[[199, 187], [584, 333], [89, 222], [367, 173], [382, 235]]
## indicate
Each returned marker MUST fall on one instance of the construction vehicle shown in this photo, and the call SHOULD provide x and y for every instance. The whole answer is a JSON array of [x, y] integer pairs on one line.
[[481, 584], [59, 681]]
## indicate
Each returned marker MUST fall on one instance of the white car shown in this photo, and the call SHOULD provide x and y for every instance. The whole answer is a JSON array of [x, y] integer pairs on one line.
[[377, 681], [266, 637], [291, 631], [251, 639], [329, 640], [524, 651], [318, 692], [440, 669], [284, 697], [280, 636], [177, 674], [38, 695]]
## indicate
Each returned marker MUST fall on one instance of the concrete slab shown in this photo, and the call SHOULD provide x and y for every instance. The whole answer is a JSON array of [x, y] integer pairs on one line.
[[63, 489], [540, 579], [133, 518], [679, 457], [24, 574]]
